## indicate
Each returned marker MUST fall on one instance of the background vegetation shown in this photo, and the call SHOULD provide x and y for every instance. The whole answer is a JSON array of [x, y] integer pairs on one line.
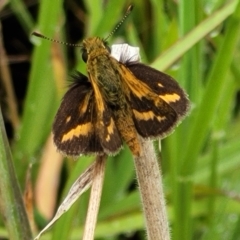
[[197, 42]]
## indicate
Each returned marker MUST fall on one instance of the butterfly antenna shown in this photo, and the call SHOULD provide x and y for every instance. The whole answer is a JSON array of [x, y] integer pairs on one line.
[[129, 10], [56, 41]]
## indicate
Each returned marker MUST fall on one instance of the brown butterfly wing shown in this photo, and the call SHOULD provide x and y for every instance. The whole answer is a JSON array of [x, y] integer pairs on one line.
[[163, 85], [81, 126], [74, 124], [156, 100]]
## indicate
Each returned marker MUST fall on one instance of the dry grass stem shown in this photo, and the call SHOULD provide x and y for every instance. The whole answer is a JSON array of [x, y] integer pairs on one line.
[[151, 189], [95, 197]]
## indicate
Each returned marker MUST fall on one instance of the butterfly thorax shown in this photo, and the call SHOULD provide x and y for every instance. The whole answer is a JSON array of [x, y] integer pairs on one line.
[[103, 72]]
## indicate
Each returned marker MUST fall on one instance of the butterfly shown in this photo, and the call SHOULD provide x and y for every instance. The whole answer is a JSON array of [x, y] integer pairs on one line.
[[118, 101]]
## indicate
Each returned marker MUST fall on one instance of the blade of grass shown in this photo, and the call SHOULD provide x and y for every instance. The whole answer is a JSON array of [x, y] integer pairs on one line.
[[183, 45], [236, 232], [158, 23], [203, 118], [189, 72], [218, 135], [119, 168], [130, 203], [229, 160], [11, 207], [111, 14], [23, 15], [41, 96], [213, 92]]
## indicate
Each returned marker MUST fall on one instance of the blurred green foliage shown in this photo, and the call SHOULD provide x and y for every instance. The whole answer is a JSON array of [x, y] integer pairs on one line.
[[197, 42]]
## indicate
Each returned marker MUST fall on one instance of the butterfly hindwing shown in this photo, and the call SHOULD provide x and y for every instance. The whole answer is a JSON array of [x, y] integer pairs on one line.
[[106, 129], [149, 120], [108, 133]]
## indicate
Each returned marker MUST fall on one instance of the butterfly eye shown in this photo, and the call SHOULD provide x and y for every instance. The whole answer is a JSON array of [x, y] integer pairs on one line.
[[84, 55]]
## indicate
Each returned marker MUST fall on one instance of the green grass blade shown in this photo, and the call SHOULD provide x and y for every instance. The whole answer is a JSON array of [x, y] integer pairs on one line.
[[214, 88], [11, 207], [40, 104], [23, 15], [166, 59]]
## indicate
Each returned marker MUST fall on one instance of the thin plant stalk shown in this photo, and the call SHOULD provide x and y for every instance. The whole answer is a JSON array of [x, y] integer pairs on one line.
[[95, 198], [5, 75], [151, 190]]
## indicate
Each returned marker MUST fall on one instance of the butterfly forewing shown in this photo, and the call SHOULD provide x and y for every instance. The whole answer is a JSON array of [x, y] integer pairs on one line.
[[74, 125], [155, 98], [163, 85]]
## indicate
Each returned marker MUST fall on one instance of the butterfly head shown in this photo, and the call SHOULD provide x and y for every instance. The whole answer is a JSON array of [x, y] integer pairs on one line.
[[93, 47]]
